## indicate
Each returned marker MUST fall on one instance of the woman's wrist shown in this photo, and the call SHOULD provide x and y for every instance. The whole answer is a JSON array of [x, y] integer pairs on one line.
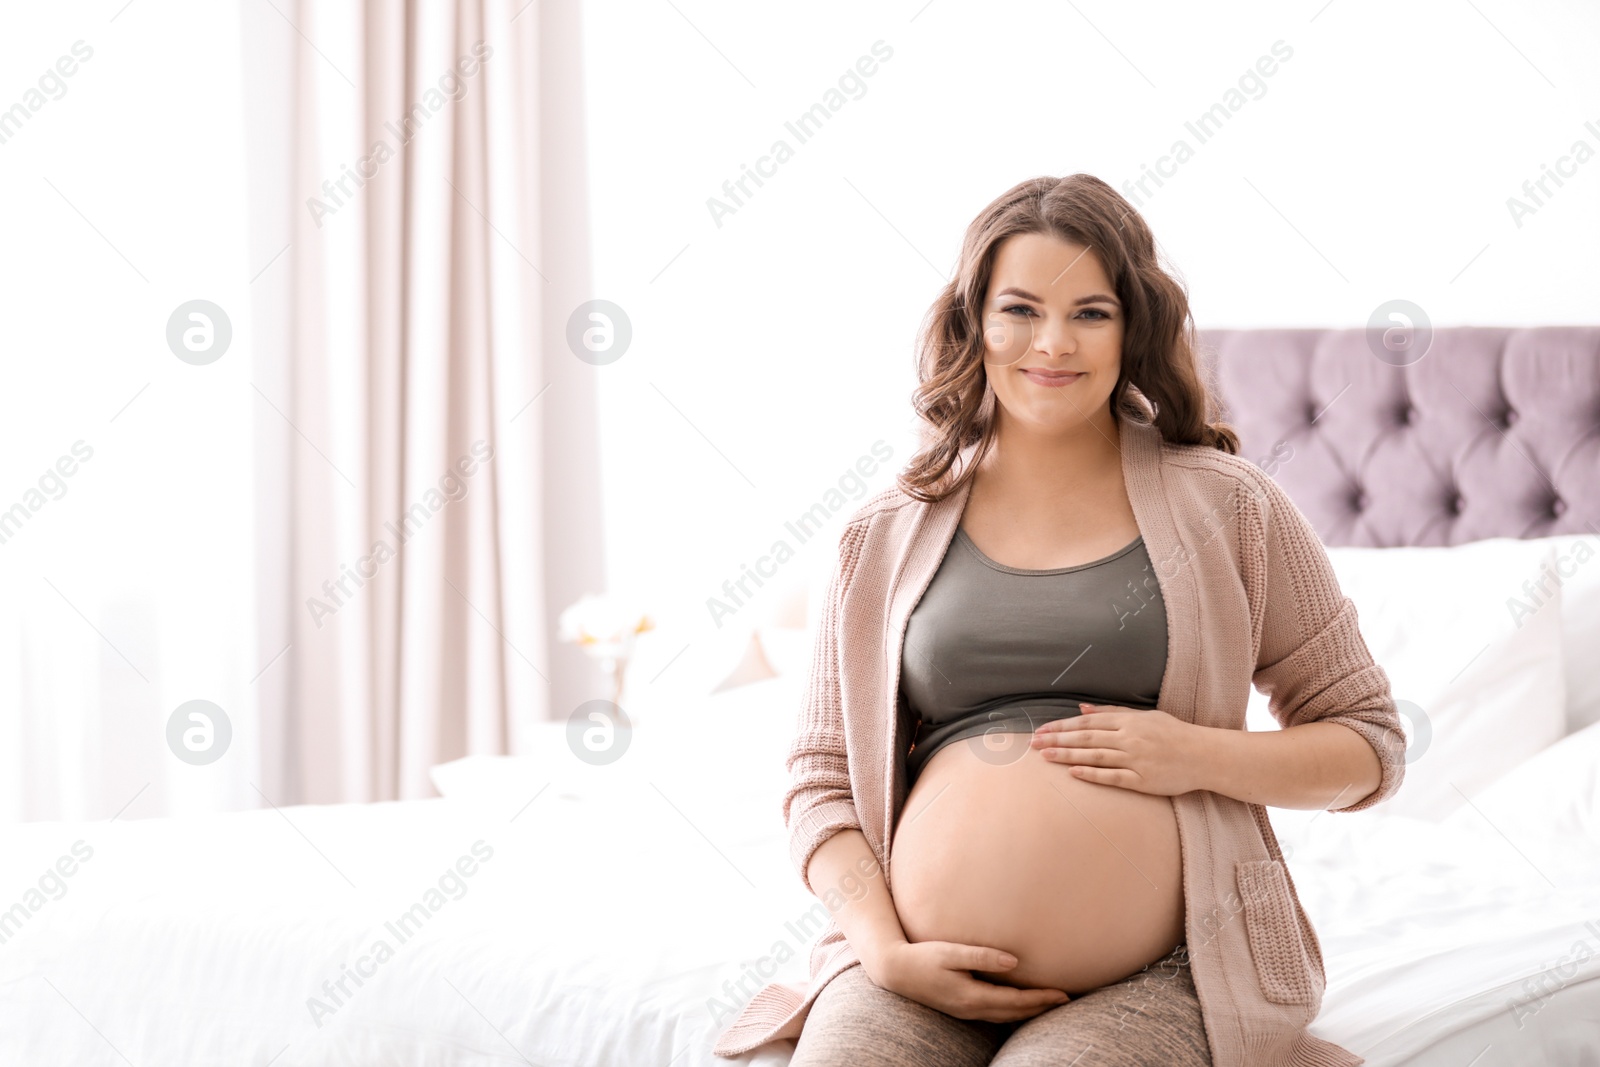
[[877, 960]]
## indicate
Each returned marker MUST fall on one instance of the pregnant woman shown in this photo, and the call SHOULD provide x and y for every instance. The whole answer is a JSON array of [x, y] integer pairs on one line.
[[1022, 786]]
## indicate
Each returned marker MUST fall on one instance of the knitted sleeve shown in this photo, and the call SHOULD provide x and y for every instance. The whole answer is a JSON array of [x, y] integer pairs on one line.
[[1312, 662], [818, 803]]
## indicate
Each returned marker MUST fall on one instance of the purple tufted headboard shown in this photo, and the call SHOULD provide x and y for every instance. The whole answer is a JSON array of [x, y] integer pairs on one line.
[[1493, 432]]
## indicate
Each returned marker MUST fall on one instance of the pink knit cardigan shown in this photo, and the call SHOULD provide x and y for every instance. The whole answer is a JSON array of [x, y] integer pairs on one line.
[[1250, 598]]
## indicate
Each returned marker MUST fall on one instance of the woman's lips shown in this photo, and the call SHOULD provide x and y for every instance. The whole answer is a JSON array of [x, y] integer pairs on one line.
[[1051, 381]]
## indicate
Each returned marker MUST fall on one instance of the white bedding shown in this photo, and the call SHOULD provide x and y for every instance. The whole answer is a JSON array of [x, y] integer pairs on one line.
[[619, 902]]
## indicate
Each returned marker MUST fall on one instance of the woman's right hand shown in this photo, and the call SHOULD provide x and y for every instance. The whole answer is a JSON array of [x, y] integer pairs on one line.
[[938, 974]]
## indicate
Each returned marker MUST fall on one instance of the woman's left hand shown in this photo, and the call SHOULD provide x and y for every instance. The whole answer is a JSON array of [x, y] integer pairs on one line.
[[1146, 751]]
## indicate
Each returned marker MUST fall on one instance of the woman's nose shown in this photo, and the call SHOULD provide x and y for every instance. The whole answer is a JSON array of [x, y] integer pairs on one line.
[[1053, 339]]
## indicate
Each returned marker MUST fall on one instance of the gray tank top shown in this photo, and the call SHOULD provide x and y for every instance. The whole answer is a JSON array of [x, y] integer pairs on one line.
[[992, 647]]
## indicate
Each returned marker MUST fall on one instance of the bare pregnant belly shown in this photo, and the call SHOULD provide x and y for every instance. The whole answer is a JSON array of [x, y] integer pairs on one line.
[[998, 846]]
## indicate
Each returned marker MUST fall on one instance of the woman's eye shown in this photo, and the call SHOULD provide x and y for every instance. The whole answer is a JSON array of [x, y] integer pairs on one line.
[[1026, 310]]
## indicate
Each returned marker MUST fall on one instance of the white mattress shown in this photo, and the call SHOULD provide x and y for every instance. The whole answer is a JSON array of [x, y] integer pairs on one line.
[[612, 912], [1444, 939], [201, 943], [1565, 1032]]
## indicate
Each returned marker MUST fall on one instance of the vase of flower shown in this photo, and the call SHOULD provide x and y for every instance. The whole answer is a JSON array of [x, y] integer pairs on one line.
[[606, 627]]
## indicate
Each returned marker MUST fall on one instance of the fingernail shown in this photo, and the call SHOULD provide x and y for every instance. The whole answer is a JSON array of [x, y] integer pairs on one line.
[[1008, 959]]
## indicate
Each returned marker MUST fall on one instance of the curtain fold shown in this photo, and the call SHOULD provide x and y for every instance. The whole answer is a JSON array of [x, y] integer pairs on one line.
[[417, 624]]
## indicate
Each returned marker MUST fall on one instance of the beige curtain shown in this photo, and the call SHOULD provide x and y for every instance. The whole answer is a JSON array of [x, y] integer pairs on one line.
[[411, 395]]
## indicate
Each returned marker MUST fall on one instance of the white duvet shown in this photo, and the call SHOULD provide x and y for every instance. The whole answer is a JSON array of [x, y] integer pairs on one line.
[[609, 917]]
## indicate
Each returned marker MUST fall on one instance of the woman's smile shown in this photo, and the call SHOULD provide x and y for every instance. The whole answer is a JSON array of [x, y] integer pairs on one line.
[[1052, 379]]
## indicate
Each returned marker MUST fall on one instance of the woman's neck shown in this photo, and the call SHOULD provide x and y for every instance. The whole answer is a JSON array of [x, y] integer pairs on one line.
[[1058, 464]]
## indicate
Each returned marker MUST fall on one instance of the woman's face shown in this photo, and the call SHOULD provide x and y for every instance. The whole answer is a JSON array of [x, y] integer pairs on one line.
[[1052, 334]]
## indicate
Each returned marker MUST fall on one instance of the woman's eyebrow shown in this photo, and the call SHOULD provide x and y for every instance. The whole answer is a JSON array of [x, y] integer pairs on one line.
[[1093, 298]]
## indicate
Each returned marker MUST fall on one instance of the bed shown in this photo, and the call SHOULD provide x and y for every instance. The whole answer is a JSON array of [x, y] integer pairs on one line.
[[546, 911]]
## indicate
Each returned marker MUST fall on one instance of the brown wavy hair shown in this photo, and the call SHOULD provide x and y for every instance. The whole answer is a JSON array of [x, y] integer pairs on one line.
[[1160, 377]]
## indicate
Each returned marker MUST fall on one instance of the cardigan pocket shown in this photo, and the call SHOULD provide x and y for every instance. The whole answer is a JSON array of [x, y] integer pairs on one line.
[[1273, 930]]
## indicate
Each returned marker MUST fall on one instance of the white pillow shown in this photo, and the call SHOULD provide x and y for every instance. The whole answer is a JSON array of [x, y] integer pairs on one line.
[[1480, 689], [1578, 569], [1553, 795], [728, 748]]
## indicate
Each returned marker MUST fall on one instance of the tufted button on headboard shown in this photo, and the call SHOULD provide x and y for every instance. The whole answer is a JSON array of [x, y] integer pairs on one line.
[[1493, 432]]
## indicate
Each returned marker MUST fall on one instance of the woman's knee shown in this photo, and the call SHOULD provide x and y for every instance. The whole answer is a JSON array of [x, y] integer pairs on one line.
[[1152, 1017], [856, 1023]]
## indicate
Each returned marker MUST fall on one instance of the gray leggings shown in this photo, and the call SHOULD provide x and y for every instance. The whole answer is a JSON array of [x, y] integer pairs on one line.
[[1152, 1017]]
